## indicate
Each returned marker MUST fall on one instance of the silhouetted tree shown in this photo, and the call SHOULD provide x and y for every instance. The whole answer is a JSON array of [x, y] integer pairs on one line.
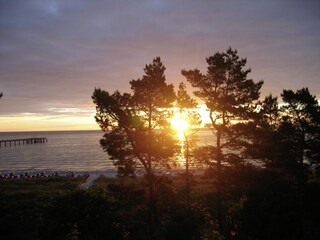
[[263, 132], [229, 95], [187, 108], [184, 101], [287, 140], [136, 127], [301, 129]]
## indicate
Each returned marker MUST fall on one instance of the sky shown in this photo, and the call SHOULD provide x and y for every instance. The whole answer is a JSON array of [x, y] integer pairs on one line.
[[54, 53]]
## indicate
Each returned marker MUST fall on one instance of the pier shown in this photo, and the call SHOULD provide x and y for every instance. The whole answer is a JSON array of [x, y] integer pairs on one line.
[[23, 141]]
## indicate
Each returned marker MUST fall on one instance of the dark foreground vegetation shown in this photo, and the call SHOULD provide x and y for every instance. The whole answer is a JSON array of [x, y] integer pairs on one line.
[[23, 203], [258, 204]]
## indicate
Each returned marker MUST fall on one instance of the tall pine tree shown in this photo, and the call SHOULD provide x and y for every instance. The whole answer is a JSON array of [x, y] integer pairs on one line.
[[229, 96], [136, 126]]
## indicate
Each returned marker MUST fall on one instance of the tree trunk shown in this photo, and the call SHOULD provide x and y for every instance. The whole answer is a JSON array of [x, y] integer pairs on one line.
[[218, 180], [187, 169], [152, 215]]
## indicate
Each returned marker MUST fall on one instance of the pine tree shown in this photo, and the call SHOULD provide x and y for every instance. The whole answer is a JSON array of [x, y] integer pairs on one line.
[[229, 95], [136, 128]]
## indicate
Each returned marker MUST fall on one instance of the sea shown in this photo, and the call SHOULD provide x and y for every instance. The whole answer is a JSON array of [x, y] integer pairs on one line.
[[65, 151]]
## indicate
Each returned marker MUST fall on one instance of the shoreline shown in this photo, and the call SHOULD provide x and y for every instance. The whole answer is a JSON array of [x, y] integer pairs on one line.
[[24, 174]]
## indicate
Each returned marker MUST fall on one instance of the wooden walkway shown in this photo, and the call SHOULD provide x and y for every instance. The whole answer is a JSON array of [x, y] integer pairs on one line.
[[32, 140]]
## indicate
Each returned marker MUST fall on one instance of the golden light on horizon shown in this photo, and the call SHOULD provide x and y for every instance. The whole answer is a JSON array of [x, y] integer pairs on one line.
[[47, 123], [81, 119], [57, 119]]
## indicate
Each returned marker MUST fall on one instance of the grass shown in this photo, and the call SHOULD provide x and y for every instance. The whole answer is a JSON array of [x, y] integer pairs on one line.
[[46, 185], [24, 201]]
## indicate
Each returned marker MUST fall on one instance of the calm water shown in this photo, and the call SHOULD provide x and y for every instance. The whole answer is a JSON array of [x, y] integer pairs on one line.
[[65, 151]]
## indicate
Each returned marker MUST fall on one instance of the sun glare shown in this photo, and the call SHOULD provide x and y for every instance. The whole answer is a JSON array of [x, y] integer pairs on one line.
[[179, 123]]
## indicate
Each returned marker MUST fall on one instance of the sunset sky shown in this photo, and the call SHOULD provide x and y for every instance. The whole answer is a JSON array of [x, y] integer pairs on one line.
[[54, 53]]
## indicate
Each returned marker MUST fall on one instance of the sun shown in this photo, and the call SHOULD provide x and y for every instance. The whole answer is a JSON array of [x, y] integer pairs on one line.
[[180, 124]]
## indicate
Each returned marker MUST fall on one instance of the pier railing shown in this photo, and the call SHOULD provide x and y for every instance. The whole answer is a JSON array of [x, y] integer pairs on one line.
[[32, 140]]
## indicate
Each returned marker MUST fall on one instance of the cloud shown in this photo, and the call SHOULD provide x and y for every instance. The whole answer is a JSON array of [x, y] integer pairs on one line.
[[53, 53]]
